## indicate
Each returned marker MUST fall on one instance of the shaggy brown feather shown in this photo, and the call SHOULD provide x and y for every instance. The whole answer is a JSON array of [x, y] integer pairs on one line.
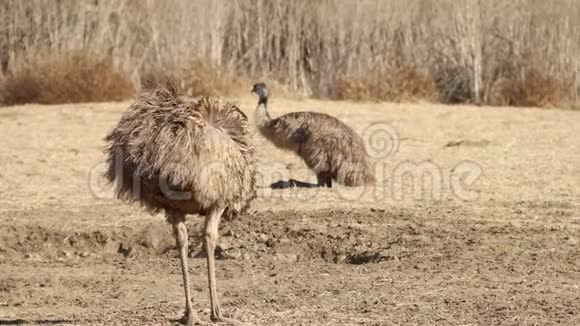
[[326, 145], [191, 157]]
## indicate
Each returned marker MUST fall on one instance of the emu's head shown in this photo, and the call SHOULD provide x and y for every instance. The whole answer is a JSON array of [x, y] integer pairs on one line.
[[262, 92]]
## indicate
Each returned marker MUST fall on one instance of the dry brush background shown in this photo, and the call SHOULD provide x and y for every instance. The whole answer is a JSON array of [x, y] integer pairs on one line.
[[498, 52]]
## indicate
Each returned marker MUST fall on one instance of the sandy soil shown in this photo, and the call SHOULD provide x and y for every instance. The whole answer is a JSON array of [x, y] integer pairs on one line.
[[490, 238]]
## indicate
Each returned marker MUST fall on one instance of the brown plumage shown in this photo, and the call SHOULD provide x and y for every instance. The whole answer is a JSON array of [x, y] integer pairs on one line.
[[184, 157], [329, 147]]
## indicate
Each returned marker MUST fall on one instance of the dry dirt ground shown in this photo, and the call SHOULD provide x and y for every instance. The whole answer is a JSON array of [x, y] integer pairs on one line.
[[491, 237]]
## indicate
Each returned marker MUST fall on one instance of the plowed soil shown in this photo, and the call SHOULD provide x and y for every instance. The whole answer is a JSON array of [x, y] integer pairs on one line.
[[507, 253]]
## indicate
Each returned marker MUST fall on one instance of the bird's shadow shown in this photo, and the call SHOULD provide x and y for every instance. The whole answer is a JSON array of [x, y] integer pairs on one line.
[[35, 322], [286, 184]]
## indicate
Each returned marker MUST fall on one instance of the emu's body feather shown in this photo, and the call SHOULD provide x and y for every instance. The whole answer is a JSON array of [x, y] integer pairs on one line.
[[191, 157]]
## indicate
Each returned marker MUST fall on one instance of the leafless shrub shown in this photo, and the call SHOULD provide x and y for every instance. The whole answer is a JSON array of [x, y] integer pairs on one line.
[[64, 78], [200, 77], [530, 90], [399, 85]]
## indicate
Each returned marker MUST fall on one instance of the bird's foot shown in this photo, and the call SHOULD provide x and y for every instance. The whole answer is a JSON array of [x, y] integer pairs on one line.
[[191, 319], [228, 321]]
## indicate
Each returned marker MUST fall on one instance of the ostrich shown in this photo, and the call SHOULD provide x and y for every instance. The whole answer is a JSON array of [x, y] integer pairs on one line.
[[184, 157], [330, 148]]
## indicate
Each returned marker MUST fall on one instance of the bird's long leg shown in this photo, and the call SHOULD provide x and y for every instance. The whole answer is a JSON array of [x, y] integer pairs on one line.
[[180, 231], [324, 179], [211, 236]]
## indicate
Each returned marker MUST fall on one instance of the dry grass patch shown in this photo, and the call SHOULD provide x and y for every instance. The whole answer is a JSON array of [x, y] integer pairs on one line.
[[530, 90], [200, 78], [64, 78], [405, 84]]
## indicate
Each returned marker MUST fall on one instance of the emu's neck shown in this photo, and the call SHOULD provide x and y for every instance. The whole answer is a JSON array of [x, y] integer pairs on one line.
[[262, 116]]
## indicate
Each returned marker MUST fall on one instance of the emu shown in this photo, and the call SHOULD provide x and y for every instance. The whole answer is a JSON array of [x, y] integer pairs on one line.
[[330, 148], [184, 157]]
